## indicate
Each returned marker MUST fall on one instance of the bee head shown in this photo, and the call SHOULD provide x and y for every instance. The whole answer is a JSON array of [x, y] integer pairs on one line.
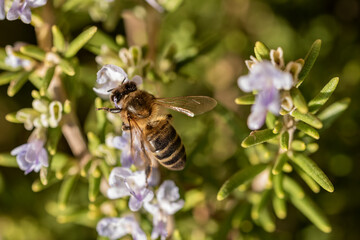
[[124, 89]]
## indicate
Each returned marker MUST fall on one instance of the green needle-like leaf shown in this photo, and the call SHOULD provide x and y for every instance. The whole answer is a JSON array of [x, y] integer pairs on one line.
[[257, 137], [279, 163], [54, 135], [267, 221], [277, 128], [310, 167], [94, 187], [270, 120], [308, 180], [6, 77], [239, 178], [312, 147], [293, 188], [58, 39], [329, 114], [298, 145], [309, 61], [67, 106], [278, 185], [261, 51], [312, 212], [100, 115], [241, 214], [37, 186], [308, 130], [6, 160], [44, 175], [259, 206], [11, 117], [299, 100], [81, 217], [85, 168], [47, 79], [66, 67], [245, 100], [105, 169], [100, 38], [17, 83], [307, 118], [65, 190], [284, 140], [59, 161], [79, 42], [279, 206], [36, 80], [317, 102], [33, 51]]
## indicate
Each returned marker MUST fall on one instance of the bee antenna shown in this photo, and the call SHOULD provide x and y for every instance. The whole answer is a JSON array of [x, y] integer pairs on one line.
[[110, 89], [123, 80]]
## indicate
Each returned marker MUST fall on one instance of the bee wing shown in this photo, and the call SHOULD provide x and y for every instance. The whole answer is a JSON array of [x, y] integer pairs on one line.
[[137, 137], [189, 105]]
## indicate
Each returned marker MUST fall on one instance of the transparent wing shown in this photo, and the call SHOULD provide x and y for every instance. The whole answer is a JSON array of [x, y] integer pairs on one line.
[[138, 138], [189, 105]]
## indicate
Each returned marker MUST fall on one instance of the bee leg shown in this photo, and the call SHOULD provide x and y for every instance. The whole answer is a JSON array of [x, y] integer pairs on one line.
[[169, 117], [148, 173], [112, 110], [125, 127]]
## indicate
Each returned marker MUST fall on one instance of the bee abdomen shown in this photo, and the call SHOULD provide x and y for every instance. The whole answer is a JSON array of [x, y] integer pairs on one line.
[[160, 139], [167, 147], [176, 161]]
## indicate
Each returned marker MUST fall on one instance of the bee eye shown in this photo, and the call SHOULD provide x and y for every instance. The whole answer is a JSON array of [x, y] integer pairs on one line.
[[131, 87], [115, 97]]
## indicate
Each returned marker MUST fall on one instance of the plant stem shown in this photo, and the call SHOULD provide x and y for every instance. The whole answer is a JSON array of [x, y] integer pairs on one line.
[[70, 124]]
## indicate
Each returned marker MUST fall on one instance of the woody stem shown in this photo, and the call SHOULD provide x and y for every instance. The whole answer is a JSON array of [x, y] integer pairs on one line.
[[70, 124]]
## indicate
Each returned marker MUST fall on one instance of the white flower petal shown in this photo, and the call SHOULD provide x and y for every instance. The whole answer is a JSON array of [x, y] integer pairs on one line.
[[257, 119], [43, 158], [137, 79], [21, 148], [112, 228], [153, 209], [109, 73], [118, 192], [244, 83], [134, 204], [36, 3], [118, 175]]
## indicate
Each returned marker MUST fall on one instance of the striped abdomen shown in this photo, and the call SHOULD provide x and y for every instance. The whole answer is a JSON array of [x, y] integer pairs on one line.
[[166, 145]]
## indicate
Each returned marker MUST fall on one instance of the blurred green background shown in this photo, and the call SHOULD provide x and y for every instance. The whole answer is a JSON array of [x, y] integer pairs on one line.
[[213, 39]]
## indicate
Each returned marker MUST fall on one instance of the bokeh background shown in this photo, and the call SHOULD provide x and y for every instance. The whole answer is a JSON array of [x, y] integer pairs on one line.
[[213, 38]]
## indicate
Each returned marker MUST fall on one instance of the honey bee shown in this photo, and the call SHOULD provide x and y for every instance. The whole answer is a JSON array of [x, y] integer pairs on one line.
[[140, 113]]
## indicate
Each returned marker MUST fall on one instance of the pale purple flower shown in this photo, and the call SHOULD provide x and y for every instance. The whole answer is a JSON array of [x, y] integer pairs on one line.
[[123, 143], [154, 178], [2, 9], [168, 203], [31, 156], [168, 197], [109, 77], [13, 61], [123, 182], [267, 80], [155, 5], [22, 9], [160, 221], [115, 228], [261, 181]]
